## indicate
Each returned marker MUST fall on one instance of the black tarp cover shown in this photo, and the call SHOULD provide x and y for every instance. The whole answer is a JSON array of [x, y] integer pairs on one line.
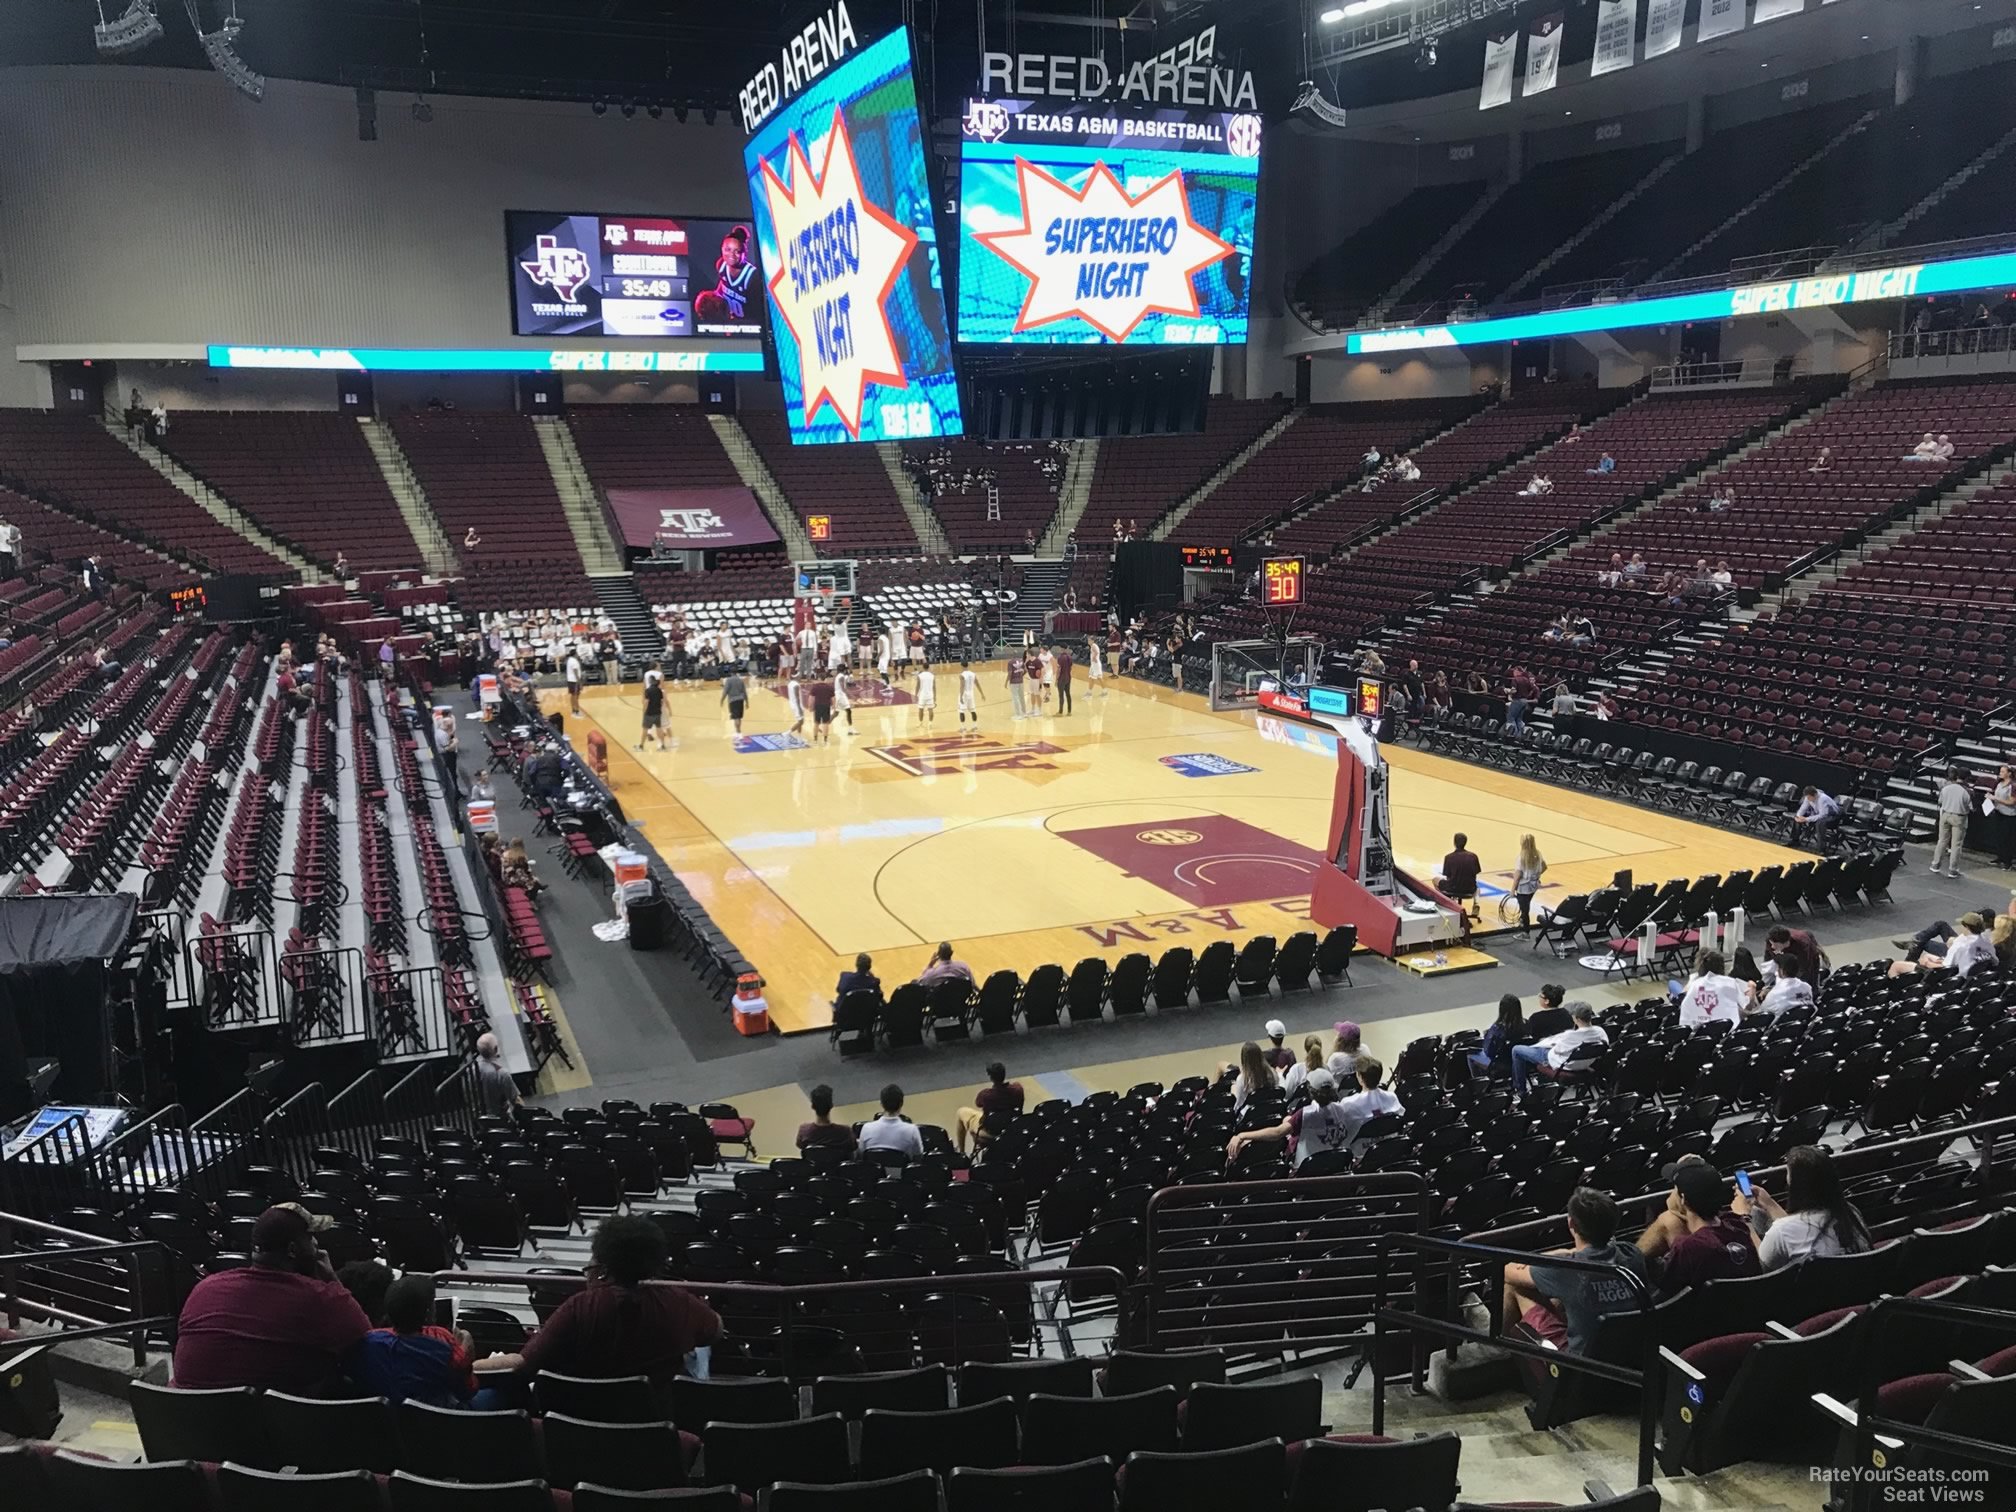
[[62, 930]]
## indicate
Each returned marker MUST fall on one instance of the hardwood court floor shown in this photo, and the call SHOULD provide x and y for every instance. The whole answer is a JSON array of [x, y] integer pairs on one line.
[[1138, 821]]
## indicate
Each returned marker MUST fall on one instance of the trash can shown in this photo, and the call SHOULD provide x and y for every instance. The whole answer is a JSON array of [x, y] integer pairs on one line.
[[650, 914]]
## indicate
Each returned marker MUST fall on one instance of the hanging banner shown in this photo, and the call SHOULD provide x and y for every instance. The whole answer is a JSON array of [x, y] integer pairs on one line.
[[1662, 26], [1499, 54], [1616, 26], [1771, 10], [1719, 18], [1543, 54]]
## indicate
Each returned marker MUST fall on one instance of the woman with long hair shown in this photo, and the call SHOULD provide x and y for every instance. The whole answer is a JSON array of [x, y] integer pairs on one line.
[[1507, 1030], [1526, 874], [1313, 1056], [1255, 1076], [2002, 800], [1816, 1218]]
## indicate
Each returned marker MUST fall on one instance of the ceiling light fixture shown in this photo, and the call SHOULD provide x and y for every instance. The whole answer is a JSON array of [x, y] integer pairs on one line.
[[132, 31]]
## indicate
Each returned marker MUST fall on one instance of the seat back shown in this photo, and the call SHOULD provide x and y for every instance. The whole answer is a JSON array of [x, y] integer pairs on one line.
[[896, 1443], [748, 1455], [96, 1485], [241, 1489], [417, 1493], [917, 1492], [698, 1403], [1220, 1417], [1084, 1487], [1251, 1477], [1360, 1474], [314, 1435], [926, 1389], [444, 1443], [1129, 1371], [603, 1399], [982, 1382], [214, 1426], [628, 1456], [1063, 1430]]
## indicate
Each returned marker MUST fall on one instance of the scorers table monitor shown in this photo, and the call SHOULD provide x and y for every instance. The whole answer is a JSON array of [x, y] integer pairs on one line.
[[1281, 582]]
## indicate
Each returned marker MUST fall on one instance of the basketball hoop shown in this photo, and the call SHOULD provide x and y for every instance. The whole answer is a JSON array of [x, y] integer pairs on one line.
[[823, 594]]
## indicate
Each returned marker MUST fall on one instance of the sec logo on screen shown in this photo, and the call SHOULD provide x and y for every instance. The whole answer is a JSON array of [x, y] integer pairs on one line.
[[1242, 136]]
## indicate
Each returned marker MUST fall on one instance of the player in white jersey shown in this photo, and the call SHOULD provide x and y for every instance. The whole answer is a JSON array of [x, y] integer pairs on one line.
[[841, 648], [1095, 661], [969, 694], [927, 695], [882, 656], [794, 694], [841, 699]]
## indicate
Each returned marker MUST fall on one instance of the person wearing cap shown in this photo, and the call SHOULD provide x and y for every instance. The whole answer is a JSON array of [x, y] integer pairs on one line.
[[1969, 948], [1699, 1238], [283, 1322], [1578, 1042], [1277, 1054], [1320, 1126], [1344, 1054], [1562, 1306]]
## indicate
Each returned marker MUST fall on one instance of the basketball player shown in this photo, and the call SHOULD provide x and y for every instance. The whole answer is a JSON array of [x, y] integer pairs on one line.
[[842, 699], [654, 709], [1017, 698], [1032, 675], [969, 694], [820, 695], [842, 648], [927, 694], [1049, 661], [882, 657], [574, 680], [735, 694], [1095, 664], [794, 694]]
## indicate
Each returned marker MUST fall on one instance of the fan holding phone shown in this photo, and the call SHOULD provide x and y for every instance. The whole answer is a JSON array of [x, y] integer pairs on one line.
[[1816, 1218]]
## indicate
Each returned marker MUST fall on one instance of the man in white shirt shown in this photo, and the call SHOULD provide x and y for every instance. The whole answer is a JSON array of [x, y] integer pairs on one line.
[[1943, 452], [1926, 450], [1371, 459], [574, 680], [1368, 1102], [1711, 993], [892, 1131], [1956, 803], [1581, 1041]]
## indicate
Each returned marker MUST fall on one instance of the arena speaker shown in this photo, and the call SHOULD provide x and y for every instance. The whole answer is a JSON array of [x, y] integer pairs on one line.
[[539, 393], [1024, 398]]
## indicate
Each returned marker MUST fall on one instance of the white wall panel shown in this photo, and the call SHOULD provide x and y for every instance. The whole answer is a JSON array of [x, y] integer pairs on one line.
[[157, 205]]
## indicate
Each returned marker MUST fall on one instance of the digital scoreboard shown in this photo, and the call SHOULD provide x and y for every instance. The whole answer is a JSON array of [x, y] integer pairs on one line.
[[1213, 557], [1281, 582], [651, 276]]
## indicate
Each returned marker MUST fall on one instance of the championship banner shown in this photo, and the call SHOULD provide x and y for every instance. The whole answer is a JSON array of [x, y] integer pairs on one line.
[[1616, 26], [690, 519], [1543, 54], [1719, 18], [1500, 53], [1663, 21], [1771, 10]]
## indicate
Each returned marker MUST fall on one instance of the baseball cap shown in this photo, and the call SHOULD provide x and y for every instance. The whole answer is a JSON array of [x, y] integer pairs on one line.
[[1276, 1029], [1321, 1078], [1666, 1172], [1346, 1029], [1704, 1189], [279, 1228]]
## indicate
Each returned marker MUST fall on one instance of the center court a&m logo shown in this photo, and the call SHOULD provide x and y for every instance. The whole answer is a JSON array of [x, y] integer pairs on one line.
[[955, 754], [560, 268]]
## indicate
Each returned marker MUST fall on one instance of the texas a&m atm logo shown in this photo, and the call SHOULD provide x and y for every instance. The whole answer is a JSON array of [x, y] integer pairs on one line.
[[953, 754]]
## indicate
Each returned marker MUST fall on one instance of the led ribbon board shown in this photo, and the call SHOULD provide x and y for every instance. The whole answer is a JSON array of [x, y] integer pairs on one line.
[[1818, 292], [480, 360]]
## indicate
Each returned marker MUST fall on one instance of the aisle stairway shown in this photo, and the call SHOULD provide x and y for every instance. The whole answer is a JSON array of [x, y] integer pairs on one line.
[[1042, 585], [590, 528], [210, 501], [617, 593], [410, 496], [757, 477]]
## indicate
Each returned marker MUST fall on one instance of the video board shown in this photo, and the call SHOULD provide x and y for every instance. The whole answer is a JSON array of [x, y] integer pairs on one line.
[[650, 276], [841, 206], [1083, 224]]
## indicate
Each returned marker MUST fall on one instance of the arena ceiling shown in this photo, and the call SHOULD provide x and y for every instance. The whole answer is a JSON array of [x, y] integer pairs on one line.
[[668, 52]]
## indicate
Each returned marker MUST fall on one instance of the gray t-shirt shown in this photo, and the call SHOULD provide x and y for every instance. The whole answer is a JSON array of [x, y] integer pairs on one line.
[[1586, 1295], [734, 689], [495, 1086]]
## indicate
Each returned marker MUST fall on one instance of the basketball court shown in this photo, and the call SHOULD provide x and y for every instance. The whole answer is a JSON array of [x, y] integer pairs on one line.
[[1139, 821]]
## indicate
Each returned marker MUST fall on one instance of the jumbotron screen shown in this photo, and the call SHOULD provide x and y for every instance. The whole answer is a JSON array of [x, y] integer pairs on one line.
[[843, 217], [632, 275], [1079, 223]]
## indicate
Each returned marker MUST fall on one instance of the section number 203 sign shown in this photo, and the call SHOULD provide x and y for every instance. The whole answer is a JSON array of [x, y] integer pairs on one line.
[[1281, 582]]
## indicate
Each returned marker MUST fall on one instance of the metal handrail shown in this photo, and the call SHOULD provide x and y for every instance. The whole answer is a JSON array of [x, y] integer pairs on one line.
[[1557, 1359], [91, 1247], [1868, 1425], [1100, 1280]]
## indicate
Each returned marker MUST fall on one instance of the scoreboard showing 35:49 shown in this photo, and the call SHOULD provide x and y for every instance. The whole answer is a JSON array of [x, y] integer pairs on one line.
[[1082, 222], [632, 275]]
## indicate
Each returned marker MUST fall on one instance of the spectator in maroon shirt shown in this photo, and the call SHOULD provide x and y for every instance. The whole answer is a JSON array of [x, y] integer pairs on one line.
[[1460, 869], [1800, 945], [822, 1130], [1000, 1095], [283, 1322], [617, 1325], [1699, 1237]]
